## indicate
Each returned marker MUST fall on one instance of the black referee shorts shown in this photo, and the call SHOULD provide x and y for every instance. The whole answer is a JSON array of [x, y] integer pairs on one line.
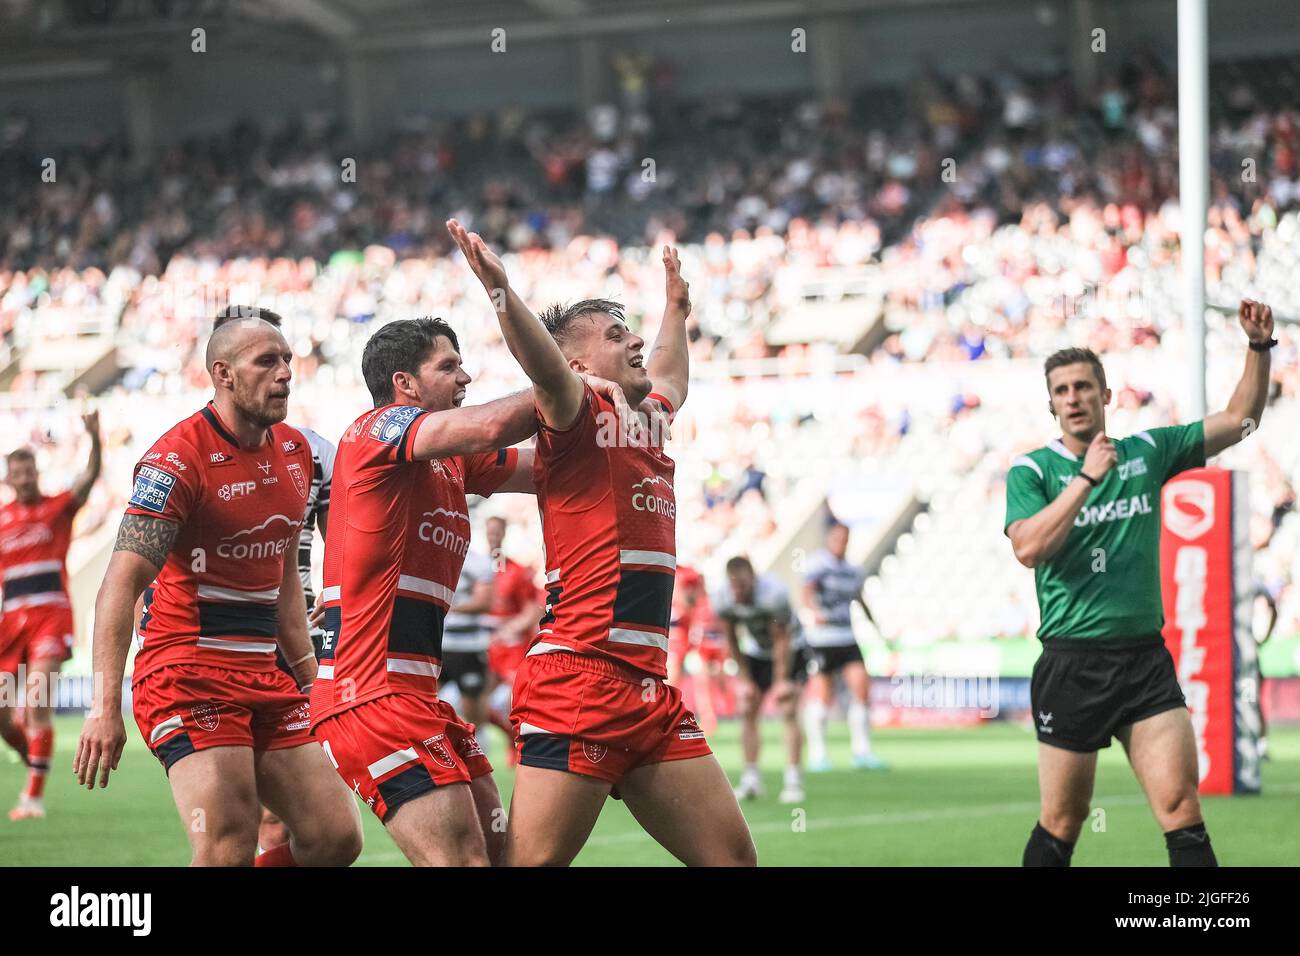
[[1083, 690], [760, 668]]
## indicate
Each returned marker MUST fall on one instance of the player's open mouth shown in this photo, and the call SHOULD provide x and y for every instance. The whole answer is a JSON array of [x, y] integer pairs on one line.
[[638, 361]]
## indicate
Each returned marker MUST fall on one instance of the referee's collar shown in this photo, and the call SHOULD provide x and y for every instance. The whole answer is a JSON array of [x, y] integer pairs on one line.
[[1058, 446]]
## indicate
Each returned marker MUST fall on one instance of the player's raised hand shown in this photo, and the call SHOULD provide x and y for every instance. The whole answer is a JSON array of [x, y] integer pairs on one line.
[[1256, 320], [1100, 456], [91, 421], [483, 261], [677, 291], [99, 749]]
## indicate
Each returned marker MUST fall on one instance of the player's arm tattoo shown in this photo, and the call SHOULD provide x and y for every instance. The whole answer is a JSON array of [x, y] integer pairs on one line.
[[151, 538]]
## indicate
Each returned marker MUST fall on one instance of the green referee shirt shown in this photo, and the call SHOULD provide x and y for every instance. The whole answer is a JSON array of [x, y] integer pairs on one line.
[[1105, 579]]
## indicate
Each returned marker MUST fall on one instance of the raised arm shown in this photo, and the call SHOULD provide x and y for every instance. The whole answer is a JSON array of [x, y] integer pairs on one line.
[[1246, 407], [1037, 538], [670, 359], [140, 552], [86, 480], [558, 388]]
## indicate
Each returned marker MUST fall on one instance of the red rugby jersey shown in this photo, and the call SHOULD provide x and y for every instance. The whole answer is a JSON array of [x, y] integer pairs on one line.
[[398, 535], [34, 541], [688, 579], [513, 590], [609, 521], [239, 511]]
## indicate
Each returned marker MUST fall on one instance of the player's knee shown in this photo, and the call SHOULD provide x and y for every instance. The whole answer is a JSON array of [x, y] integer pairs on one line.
[[337, 842], [230, 849], [1064, 822], [1179, 808], [736, 850]]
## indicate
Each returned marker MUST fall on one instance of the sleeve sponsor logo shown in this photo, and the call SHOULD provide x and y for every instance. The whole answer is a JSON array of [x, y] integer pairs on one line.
[[174, 460], [392, 423], [152, 489]]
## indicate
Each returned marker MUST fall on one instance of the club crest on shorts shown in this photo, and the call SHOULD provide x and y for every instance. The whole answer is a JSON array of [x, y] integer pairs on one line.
[[437, 747], [206, 716], [470, 747], [689, 729], [594, 752], [299, 480]]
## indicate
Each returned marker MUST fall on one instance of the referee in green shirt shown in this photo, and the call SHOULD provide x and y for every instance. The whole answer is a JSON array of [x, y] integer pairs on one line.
[[1084, 513]]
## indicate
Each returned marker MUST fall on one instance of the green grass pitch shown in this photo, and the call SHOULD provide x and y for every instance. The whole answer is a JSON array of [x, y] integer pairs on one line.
[[952, 798]]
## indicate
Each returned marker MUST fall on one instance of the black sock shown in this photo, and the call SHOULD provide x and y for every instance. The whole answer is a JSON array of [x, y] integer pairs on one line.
[[1043, 849], [1190, 846]]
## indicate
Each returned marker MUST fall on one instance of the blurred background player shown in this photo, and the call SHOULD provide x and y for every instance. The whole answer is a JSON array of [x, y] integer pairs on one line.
[[593, 715], [465, 637], [214, 521], [517, 605], [686, 592], [831, 585], [36, 615], [1105, 670], [694, 627], [762, 635]]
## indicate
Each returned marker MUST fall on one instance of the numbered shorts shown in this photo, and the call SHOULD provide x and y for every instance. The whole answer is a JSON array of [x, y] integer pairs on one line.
[[188, 707], [468, 670], [395, 748], [832, 659], [599, 718], [39, 633], [1083, 690]]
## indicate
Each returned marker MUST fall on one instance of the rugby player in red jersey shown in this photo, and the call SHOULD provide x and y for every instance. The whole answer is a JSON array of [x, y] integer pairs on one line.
[[592, 713], [398, 535], [36, 616], [213, 521]]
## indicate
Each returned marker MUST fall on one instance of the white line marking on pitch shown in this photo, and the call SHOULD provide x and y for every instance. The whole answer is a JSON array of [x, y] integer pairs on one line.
[[873, 819]]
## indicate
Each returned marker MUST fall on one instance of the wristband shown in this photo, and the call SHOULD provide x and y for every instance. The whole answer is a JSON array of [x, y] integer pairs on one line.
[[1263, 346], [1088, 478]]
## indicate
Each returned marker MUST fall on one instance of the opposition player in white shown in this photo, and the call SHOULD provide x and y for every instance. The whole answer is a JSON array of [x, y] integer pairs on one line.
[[831, 586]]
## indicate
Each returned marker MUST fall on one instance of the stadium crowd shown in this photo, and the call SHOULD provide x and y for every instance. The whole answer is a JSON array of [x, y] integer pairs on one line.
[[1058, 226]]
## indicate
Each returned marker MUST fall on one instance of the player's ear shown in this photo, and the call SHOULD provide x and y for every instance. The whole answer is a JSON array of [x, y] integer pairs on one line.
[[1105, 398]]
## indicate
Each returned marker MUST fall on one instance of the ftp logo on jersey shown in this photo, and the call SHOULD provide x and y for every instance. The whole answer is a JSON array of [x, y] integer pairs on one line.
[[236, 489]]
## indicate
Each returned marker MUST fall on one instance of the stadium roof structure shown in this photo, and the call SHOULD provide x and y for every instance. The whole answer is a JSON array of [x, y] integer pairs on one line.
[[34, 32]]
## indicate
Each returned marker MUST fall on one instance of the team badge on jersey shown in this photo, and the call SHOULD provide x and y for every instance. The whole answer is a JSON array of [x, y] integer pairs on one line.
[[594, 752], [206, 716], [152, 489], [437, 747], [299, 480], [391, 425]]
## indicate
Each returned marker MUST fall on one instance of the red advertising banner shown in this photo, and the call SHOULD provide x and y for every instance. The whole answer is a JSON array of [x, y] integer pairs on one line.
[[1204, 579]]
